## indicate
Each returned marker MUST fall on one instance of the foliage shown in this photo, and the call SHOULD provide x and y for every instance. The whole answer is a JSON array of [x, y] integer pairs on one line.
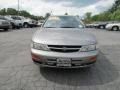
[[66, 13], [47, 15], [3, 11], [11, 11], [115, 6], [88, 17], [112, 14], [115, 15], [24, 13]]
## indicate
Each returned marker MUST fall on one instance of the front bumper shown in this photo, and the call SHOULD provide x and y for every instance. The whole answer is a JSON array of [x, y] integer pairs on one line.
[[108, 27], [4, 26], [78, 59], [18, 24], [32, 25]]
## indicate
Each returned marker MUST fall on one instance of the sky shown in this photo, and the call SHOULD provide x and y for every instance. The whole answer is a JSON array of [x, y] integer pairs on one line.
[[59, 7]]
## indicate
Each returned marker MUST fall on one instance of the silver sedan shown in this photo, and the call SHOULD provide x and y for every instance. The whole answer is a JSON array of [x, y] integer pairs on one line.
[[113, 26], [63, 42]]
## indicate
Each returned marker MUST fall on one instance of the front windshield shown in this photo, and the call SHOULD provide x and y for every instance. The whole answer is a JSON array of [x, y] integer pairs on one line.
[[16, 18], [2, 18], [63, 22], [22, 17], [8, 18]]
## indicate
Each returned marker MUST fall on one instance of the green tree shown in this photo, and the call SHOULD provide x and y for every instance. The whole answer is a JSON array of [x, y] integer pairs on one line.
[[66, 13], [115, 15], [115, 6], [47, 15], [87, 17], [11, 11], [37, 17], [24, 13], [112, 14], [95, 18], [3, 11]]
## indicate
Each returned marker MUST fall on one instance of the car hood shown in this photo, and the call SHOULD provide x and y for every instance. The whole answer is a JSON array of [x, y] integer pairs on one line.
[[64, 36], [112, 24], [3, 20], [18, 21]]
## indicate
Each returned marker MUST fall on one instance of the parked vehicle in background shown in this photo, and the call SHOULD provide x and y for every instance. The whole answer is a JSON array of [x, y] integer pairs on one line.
[[62, 42], [92, 25], [40, 22], [35, 23], [89, 25], [18, 20], [113, 26], [15, 21], [27, 22], [95, 24], [101, 25], [4, 24]]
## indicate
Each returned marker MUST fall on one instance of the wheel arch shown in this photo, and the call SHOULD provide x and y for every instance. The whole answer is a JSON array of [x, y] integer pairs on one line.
[[115, 26]]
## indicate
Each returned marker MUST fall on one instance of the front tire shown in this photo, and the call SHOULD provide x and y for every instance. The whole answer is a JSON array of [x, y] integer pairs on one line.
[[102, 27], [12, 26], [18, 27], [6, 29], [26, 25], [115, 28]]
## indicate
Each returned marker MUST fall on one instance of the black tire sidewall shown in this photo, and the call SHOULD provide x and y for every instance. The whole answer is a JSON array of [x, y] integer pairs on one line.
[[115, 27], [26, 25]]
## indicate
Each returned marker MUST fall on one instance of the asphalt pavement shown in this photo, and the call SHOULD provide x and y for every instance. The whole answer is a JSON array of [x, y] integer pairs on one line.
[[18, 72]]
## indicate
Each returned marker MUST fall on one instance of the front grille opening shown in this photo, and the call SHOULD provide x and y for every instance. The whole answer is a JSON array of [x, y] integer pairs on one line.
[[61, 46], [64, 48], [65, 51]]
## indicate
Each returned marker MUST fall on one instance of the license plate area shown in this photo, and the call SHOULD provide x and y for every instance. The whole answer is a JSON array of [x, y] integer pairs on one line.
[[63, 62]]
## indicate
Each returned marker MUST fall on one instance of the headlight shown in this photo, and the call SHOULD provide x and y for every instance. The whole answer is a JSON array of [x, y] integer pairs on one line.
[[107, 26], [88, 48], [30, 21], [39, 46], [5, 22]]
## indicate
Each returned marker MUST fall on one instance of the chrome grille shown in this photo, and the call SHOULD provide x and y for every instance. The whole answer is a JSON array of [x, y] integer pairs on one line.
[[64, 48]]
